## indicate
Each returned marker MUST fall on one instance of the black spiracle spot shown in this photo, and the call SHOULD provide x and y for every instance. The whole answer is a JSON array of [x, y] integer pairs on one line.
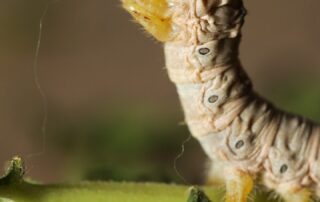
[[239, 144], [212, 99], [204, 51], [283, 168]]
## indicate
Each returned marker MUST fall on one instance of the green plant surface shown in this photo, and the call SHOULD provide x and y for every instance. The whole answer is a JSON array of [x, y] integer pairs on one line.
[[13, 188], [100, 191], [112, 192]]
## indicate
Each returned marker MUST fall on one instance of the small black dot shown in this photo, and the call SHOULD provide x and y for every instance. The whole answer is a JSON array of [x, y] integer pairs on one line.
[[239, 144], [204, 51], [283, 168], [213, 98]]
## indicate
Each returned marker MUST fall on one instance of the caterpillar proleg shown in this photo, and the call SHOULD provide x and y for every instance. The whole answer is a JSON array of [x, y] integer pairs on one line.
[[247, 139]]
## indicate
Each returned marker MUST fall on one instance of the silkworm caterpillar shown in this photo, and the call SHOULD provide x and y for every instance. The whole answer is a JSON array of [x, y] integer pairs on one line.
[[247, 138]]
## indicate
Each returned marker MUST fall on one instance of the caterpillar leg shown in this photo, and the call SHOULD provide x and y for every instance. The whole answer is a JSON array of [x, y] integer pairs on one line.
[[238, 186], [153, 15], [303, 195]]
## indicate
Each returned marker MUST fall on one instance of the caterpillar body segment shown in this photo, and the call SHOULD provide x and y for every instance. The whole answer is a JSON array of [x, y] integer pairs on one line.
[[246, 137]]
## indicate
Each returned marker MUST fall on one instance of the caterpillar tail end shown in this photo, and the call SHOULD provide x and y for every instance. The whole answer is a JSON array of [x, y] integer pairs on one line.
[[238, 186], [153, 15]]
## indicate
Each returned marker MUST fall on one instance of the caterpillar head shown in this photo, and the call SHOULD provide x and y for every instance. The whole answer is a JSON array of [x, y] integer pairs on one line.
[[188, 20]]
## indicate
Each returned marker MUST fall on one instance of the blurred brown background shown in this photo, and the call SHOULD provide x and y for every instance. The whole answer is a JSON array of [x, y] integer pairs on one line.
[[113, 114]]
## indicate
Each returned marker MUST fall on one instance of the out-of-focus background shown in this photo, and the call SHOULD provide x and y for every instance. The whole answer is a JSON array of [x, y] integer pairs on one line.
[[112, 112]]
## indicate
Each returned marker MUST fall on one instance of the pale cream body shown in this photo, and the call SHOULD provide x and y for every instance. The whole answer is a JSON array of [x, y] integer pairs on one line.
[[236, 128]]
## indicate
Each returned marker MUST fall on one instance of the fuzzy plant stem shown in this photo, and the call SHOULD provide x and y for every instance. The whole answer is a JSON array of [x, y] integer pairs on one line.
[[14, 188]]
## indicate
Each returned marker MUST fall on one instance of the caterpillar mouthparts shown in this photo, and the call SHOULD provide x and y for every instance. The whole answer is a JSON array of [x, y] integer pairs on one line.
[[153, 15]]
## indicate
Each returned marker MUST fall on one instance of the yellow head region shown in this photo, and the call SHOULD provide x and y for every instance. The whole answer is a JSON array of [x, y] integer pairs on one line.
[[153, 15]]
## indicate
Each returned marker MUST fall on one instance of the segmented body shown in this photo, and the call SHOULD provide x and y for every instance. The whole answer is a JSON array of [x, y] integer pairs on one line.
[[232, 123], [237, 128]]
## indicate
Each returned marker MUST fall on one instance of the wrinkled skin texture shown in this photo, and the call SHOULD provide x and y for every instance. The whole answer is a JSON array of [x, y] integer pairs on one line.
[[246, 138]]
